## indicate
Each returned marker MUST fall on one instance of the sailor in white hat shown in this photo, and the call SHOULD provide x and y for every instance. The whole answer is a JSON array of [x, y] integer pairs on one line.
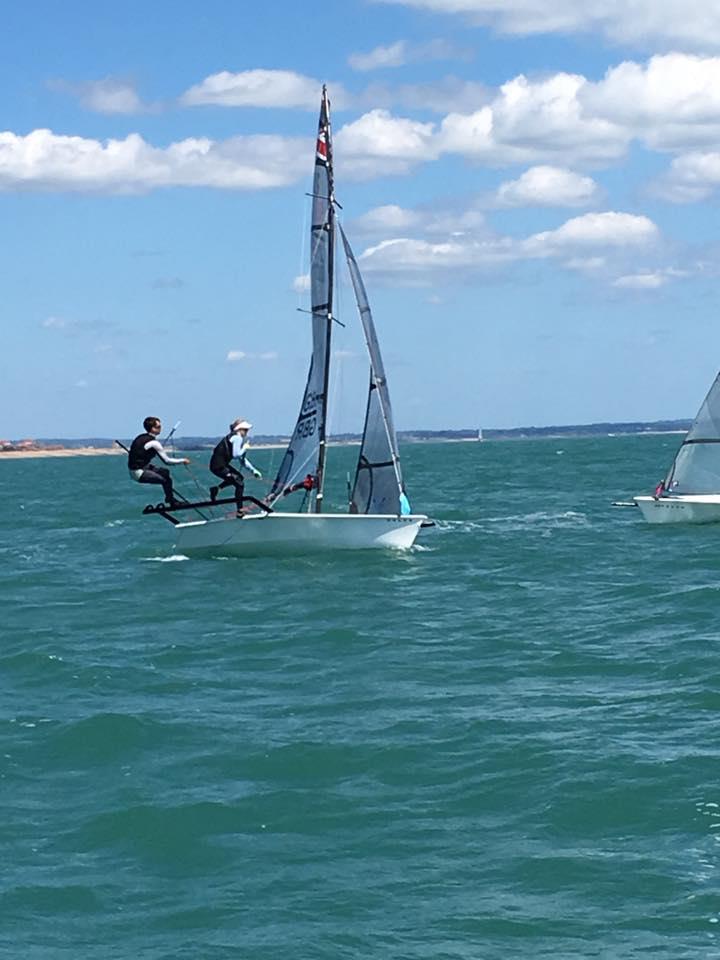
[[233, 446]]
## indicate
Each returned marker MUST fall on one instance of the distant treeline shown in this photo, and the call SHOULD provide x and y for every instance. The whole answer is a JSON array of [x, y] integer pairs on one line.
[[589, 429], [417, 436]]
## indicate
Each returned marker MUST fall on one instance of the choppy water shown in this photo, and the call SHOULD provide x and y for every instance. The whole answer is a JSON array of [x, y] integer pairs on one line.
[[501, 744]]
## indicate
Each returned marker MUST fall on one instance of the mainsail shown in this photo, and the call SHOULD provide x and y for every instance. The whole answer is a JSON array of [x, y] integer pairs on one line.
[[378, 486], [306, 451], [696, 468]]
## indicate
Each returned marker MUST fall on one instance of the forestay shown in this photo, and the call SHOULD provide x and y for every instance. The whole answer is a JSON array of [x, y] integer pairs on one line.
[[303, 455], [378, 486], [696, 468]]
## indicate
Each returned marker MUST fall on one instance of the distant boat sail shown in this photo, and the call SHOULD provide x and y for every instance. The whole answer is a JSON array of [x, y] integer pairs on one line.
[[690, 493], [379, 511]]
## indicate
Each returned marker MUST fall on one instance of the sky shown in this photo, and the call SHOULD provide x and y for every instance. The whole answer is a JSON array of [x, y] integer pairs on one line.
[[530, 188]]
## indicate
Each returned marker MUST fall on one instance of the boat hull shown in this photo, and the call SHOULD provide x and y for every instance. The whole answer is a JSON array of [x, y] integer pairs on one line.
[[297, 532], [691, 508]]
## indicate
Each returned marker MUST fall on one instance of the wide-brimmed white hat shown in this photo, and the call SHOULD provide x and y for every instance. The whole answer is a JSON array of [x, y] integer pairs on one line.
[[240, 425]]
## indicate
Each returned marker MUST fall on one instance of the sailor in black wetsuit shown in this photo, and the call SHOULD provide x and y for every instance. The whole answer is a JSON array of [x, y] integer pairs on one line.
[[233, 446], [144, 448]]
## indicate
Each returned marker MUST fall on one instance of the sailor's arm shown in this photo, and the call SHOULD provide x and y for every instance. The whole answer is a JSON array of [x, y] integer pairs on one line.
[[239, 448], [253, 470], [159, 449]]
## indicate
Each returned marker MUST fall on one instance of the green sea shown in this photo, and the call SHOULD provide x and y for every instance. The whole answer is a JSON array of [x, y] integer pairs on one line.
[[502, 743]]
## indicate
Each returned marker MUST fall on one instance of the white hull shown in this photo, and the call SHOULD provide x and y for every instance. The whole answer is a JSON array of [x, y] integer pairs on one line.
[[298, 532], [690, 508]]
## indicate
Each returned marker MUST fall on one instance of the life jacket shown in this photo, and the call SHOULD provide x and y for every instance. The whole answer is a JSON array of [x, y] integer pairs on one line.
[[139, 457], [221, 455]]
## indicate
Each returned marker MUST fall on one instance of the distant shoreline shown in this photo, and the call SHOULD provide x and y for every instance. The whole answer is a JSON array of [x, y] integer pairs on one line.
[[199, 448], [102, 451]]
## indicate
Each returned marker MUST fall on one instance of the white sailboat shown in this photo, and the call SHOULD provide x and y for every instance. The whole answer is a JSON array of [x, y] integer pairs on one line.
[[690, 493], [379, 513]]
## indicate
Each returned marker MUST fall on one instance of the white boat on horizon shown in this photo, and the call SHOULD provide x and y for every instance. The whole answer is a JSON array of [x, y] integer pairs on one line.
[[379, 514], [690, 493]]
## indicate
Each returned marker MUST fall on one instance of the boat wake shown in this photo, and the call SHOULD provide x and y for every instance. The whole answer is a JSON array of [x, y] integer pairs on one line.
[[543, 521], [568, 518], [175, 558]]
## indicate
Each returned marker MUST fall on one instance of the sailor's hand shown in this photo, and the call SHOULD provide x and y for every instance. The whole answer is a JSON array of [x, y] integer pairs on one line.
[[185, 461]]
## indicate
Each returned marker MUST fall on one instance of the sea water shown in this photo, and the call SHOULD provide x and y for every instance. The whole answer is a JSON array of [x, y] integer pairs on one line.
[[503, 743]]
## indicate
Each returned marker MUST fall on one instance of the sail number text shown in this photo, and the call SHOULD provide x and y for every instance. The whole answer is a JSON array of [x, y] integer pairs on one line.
[[306, 428]]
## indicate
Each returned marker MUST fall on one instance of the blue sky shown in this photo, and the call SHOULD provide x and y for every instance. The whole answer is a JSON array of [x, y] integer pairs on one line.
[[530, 187]]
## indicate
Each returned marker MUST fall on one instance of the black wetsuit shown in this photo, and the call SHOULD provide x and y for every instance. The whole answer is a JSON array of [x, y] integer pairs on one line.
[[221, 466], [140, 459]]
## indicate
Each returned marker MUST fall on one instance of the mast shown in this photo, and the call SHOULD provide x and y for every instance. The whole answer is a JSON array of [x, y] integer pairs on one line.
[[324, 156], [305, 453]]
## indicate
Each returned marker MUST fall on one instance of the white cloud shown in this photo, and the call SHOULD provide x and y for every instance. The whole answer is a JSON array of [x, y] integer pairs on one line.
[[56, 323], [641, 281], [301, 283], [592, 230], [671, 102], [256, 88], [590, 243], [530, 121], [416, 260], [692, 177], [43, 160], [587, 265], [545, 186], [234, 356], [649, 279], [389, 218], [378, 142], [686, 24], [111, 96], [436, 96], [459, 219], [394, 55], [401, 52]]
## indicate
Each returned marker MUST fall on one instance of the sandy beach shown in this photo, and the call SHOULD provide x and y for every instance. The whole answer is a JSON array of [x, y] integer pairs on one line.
[[62, 452]]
